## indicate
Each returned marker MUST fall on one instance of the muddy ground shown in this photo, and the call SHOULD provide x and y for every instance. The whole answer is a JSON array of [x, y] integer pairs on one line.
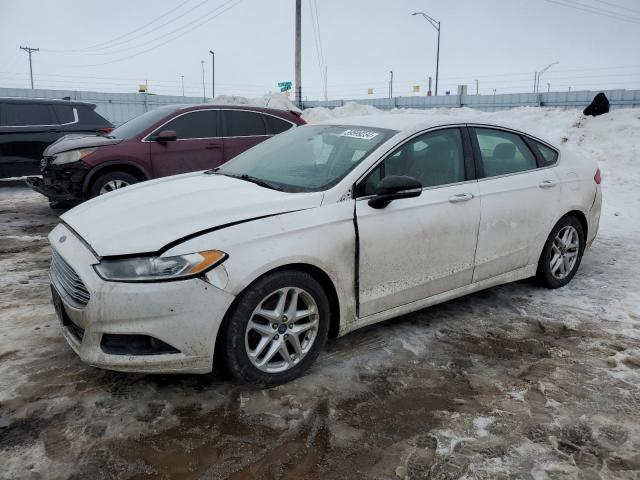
[[512, 382]]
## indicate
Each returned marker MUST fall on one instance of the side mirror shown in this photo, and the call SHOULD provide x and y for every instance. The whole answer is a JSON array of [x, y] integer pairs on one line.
[[166, 136], [393, 188]]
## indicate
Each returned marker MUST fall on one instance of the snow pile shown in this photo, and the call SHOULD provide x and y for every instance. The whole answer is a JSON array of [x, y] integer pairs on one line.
[[268, 100]]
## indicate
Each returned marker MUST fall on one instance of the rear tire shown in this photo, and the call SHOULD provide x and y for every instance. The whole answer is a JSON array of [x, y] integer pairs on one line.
[[111, 181], [562, 253], [279, 344]]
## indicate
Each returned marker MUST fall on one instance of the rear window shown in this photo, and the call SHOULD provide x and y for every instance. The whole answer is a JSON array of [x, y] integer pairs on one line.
[[64, 113], [27, 114], [244, 124], [276, 125], [89, 116]]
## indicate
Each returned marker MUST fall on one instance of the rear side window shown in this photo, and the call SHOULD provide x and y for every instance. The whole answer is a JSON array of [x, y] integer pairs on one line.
[[276, 125], [65, 113], [549, 155], [244, 124], [193, 125], [503, 152], [27, 114], [89, 116]]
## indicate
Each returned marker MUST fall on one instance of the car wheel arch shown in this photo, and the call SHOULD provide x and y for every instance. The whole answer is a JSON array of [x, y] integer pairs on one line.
[[118, 165], [319, 275]]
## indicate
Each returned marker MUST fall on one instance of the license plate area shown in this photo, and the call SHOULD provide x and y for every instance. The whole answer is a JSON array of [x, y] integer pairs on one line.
[[75, 330]]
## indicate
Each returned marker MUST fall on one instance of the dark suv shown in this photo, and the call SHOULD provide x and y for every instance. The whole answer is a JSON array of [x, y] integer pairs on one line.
[[165, 141], [28, 126]]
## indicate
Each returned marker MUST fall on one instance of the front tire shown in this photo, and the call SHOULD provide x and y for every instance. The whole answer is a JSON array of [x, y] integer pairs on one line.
[[111, 181], [276, 329], [562, 253]]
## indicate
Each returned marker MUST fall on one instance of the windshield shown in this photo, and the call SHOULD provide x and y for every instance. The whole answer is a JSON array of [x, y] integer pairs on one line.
[[139, 124], [309, 158]]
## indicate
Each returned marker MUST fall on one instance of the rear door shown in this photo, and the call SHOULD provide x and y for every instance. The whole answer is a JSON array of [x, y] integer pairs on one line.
[[28, 129], [197, 147], [242, 130], [519, 201]]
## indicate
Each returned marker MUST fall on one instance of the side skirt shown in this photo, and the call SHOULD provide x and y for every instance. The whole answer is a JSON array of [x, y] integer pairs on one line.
[[514, 276]]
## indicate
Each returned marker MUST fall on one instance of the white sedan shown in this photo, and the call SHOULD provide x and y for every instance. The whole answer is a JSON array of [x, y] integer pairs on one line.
[[316, 232]]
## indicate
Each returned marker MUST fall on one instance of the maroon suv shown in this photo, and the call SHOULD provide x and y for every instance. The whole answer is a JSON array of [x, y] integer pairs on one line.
[[165, 141]]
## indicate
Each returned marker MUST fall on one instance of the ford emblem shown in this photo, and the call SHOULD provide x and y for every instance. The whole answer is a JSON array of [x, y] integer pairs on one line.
[[62, 238]]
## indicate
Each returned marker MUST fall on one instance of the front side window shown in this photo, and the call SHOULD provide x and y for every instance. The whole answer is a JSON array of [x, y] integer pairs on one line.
[[27, 114], [503, 152], [192, 125], [308, 158], [244, 124], [435, 158]]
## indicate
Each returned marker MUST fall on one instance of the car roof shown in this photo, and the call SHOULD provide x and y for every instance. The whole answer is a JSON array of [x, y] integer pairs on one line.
[[412, 121], [197, 106], [46, 101]]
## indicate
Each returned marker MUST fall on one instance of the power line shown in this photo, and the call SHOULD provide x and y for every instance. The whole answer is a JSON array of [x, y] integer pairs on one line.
[[594, 10], [100, 46], [202, 22], [618, 6]]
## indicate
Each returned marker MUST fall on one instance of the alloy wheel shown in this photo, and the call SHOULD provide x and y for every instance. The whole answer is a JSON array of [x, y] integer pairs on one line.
[[565, 250], [112, 185], [282, 329]]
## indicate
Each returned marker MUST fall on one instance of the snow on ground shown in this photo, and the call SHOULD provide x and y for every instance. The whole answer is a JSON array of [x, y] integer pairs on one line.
[[512, 382]]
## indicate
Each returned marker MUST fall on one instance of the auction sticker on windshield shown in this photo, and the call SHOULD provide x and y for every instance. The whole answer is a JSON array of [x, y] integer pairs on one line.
[[356, 133]]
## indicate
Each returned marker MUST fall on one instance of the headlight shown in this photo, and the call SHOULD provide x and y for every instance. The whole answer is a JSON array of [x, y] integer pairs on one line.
[[148, 269], [71, 156]]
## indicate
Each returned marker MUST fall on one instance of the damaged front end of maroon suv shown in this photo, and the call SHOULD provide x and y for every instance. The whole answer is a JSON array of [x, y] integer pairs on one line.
[[169, 140]]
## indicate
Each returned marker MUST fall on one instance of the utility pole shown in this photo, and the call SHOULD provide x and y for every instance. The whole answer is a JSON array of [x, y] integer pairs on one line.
[[298, 49], [391, 84], [182, 77], [535, 81], [213, 73], [477, 88], [548, 87], [29, 50], [435, 24], [204, 92], [325, 83]]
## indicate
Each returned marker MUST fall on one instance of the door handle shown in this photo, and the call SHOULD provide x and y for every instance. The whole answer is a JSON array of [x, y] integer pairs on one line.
[[211, 146], [461, 197], [547, 184]]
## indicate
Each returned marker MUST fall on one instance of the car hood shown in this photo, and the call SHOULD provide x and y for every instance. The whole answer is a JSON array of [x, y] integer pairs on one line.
[[75, 141], [148, 216]]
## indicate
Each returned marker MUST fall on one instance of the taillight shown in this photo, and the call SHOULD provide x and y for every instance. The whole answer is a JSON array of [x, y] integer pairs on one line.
[[597, 177], [106, 130]]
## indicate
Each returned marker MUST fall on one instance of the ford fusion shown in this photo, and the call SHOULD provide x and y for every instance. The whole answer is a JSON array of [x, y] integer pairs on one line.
[[319, 231]]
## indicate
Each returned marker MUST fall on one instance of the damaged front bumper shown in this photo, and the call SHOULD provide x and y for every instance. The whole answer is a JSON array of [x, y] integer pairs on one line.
[[57, 192]]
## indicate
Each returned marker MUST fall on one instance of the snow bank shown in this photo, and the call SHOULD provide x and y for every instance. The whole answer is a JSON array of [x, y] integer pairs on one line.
[[270, 100]]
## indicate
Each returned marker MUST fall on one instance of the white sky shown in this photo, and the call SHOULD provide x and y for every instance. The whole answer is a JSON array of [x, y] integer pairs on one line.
[[499, 42]]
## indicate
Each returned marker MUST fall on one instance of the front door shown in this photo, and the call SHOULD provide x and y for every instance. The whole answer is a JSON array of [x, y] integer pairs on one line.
[[418, 247], [197, 147], [519, 202]]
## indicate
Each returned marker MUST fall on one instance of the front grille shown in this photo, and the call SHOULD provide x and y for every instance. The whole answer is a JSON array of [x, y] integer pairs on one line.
[[67, 281]]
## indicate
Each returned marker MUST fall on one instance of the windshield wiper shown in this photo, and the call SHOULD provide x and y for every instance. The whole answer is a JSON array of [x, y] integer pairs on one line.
[[247, 178]]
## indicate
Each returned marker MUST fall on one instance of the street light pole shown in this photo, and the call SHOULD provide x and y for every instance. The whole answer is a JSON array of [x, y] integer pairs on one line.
[[391, 84], [204, 91], [435, 24], [182, 79], [213, 73], [541, 72]]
